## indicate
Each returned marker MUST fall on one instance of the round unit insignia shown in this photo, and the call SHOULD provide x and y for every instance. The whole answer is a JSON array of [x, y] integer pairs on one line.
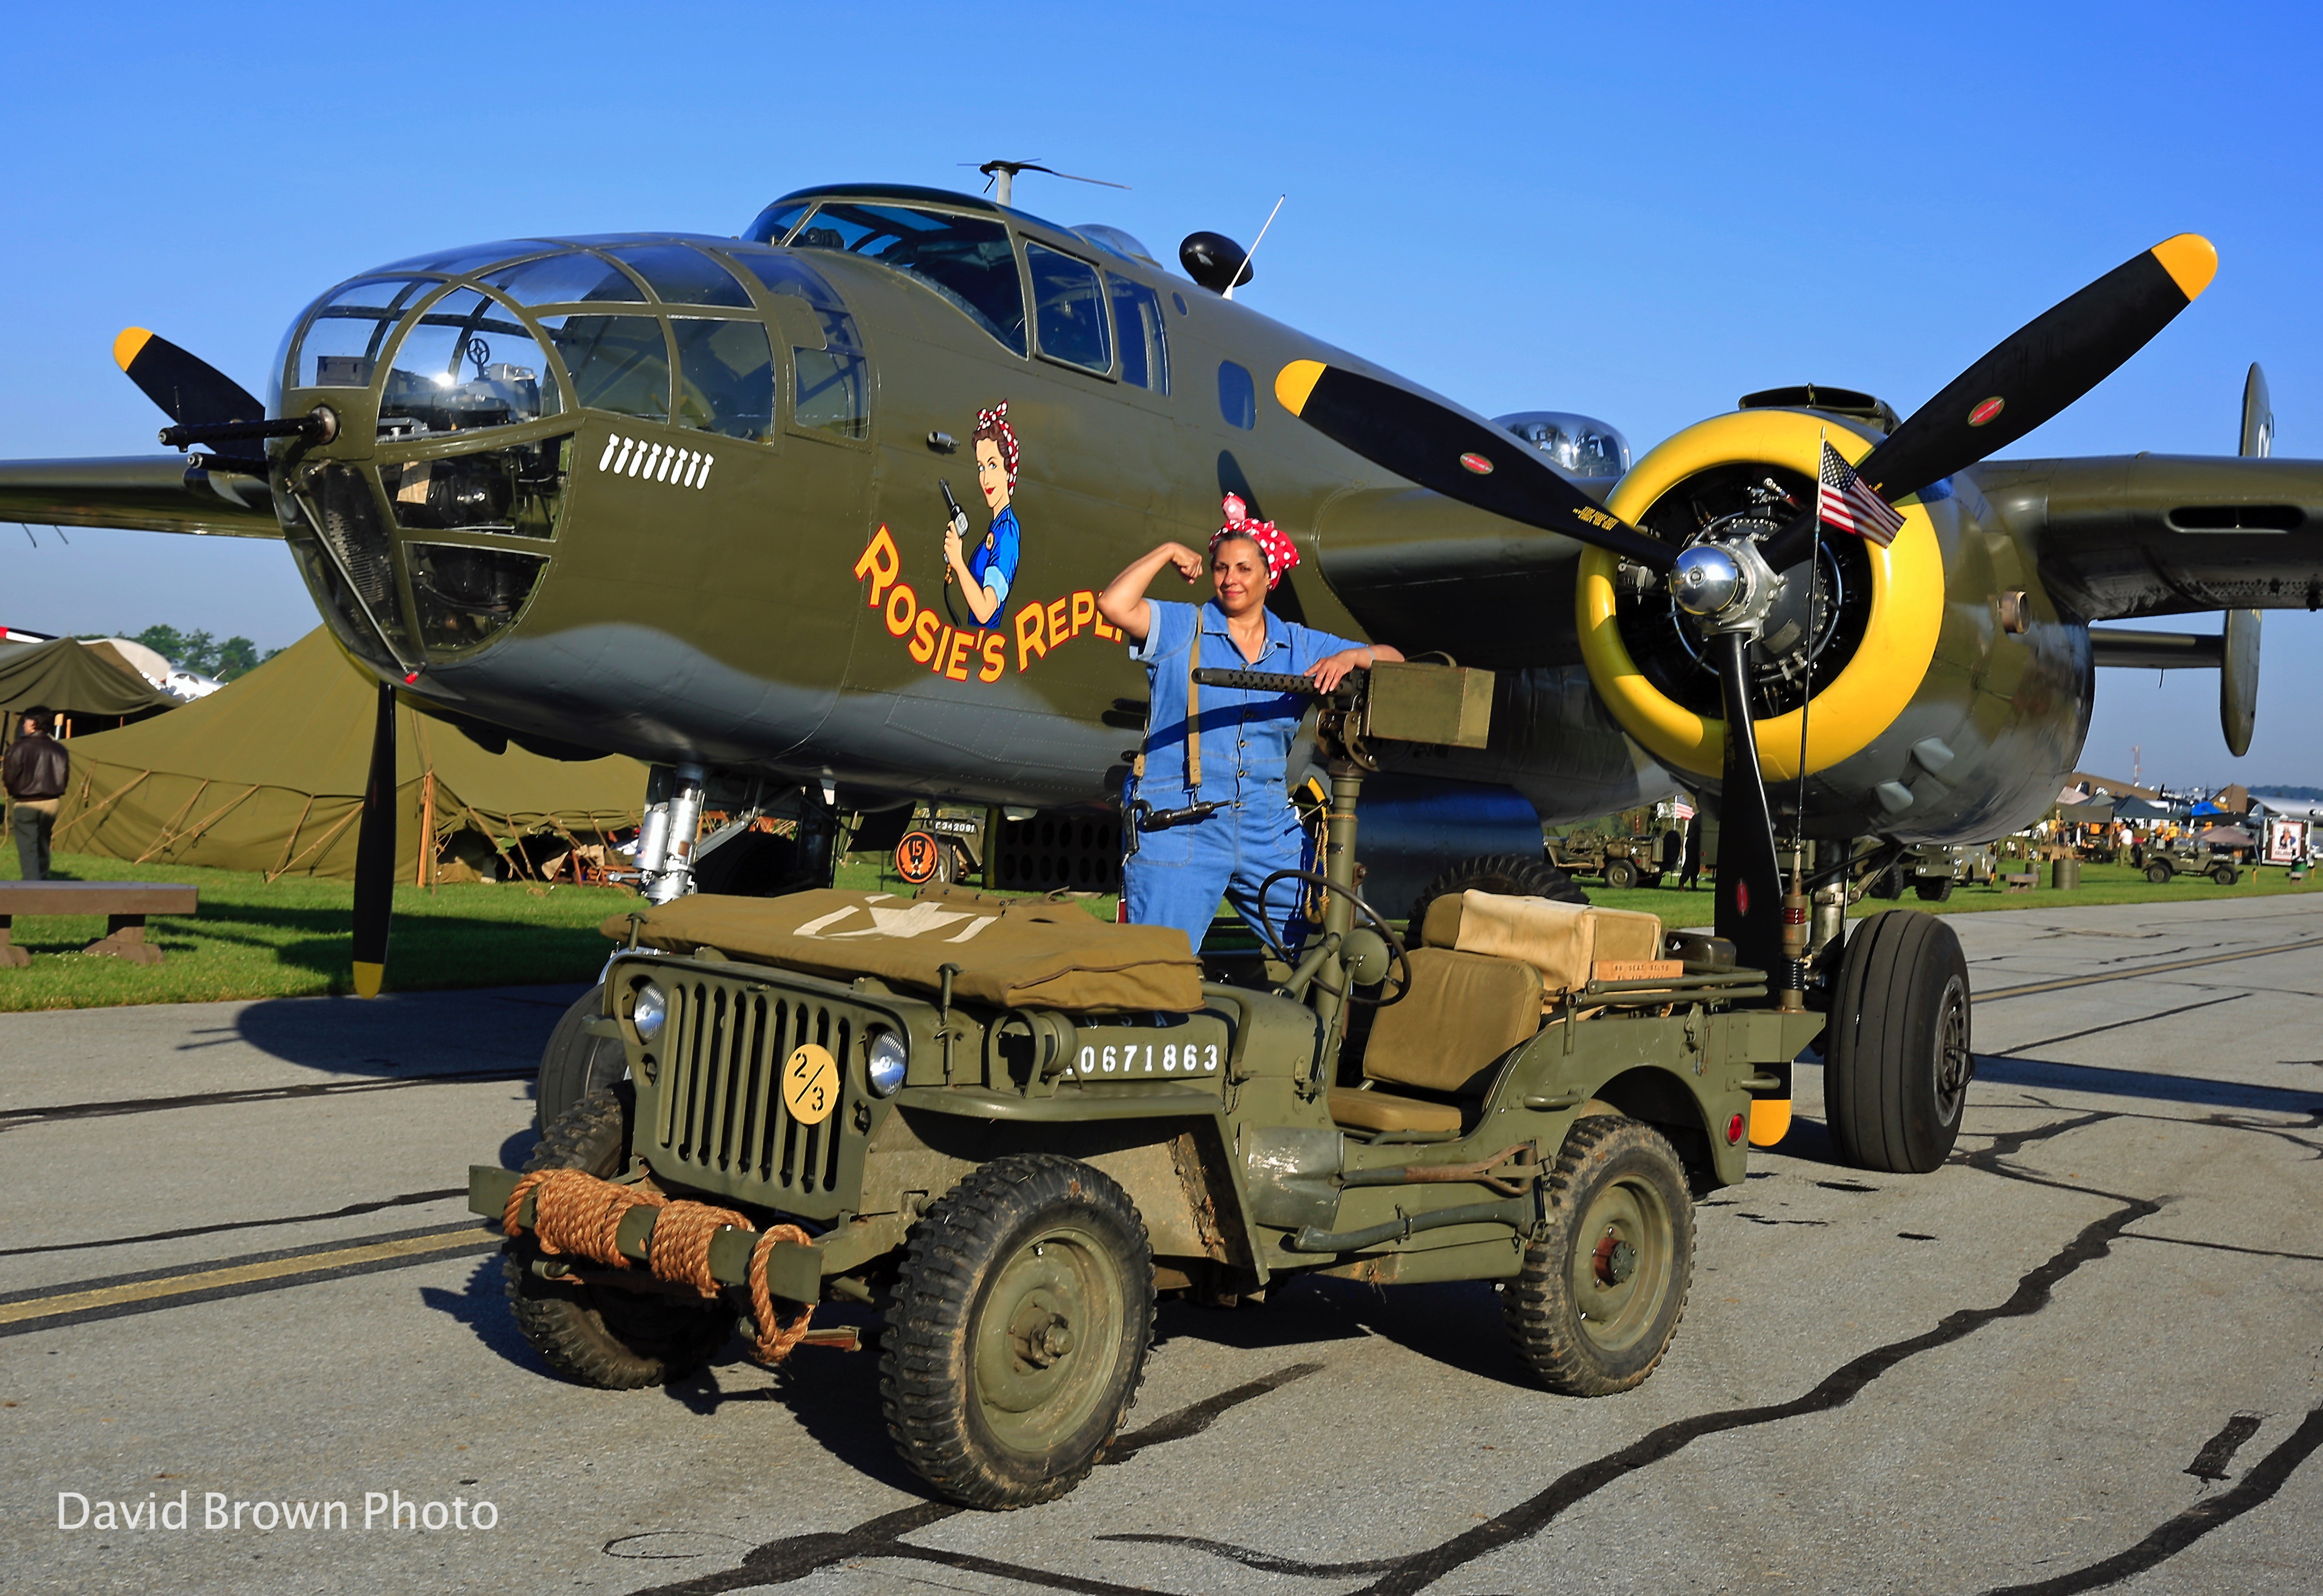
[[1986, 411], [810, 1084], [1477, 463], [918, 856]]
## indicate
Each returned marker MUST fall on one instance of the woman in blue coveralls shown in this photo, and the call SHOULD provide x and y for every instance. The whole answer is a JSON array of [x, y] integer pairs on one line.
[[1179, 872]]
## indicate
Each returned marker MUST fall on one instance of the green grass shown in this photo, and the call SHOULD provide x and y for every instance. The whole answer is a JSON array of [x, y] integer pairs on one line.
[[254, 938], [2100, 883], [289, 938]]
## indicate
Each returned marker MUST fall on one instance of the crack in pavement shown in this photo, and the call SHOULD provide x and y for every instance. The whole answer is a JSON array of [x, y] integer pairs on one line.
[[404, 1200], [15, 1119], [2181, 1530], [2035, 1291], [793, 1557]]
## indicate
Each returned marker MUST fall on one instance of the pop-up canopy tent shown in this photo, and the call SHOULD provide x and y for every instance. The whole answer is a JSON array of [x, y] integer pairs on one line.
[[89, 683], [268, 775]]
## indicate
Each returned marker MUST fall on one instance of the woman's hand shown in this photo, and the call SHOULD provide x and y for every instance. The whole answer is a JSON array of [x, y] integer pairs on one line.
[[1327, 673], [1123, 601], [952, 553], [1190, 563]]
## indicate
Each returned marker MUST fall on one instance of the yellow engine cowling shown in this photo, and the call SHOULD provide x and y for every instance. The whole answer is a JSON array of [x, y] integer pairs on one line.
[[1860, 701]]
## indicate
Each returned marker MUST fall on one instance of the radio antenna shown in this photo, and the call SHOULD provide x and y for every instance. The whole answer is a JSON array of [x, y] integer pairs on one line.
[[1259, 239]]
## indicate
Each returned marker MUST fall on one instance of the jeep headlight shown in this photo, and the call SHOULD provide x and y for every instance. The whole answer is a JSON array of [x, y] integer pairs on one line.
[[884, 1062], [649, 1012]]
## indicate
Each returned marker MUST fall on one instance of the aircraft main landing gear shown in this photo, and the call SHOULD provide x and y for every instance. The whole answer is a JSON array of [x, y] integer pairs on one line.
[[1898, 1056]]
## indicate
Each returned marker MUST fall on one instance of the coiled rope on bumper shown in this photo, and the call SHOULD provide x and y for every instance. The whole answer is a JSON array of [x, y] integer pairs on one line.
[[576, 1214]]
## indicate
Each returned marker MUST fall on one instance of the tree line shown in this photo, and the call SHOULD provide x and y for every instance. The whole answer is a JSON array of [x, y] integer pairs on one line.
[[197, 651]]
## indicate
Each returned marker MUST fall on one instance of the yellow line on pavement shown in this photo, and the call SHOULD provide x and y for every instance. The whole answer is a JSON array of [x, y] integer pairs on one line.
[[2145, 970], [210, 1280]]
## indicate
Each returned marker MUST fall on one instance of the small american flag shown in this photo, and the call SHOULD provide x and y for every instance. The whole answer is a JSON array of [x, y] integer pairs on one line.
[[1842, 500]]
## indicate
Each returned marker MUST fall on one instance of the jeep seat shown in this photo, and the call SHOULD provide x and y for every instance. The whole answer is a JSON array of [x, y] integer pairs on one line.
[[1463, 1012]]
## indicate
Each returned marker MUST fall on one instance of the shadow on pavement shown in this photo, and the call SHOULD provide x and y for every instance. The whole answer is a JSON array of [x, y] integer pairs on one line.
[[2144, 1084], [408, 1032]]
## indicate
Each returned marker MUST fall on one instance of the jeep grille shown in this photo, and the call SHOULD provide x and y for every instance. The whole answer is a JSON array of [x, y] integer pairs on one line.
[[721, 1122]]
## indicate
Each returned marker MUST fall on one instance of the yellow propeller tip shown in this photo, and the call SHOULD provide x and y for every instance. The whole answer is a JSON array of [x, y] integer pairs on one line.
[[1296, 382], [128, 345], [2192, 261], [368, 979]]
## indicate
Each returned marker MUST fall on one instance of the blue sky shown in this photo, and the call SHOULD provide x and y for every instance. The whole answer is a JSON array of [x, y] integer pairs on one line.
[[1639, 213]]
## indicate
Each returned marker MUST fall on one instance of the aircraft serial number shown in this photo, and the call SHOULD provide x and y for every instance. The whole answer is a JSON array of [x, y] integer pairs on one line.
[[1166, 1057]]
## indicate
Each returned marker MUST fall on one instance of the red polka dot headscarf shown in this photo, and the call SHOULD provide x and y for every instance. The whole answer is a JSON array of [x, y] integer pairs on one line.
[[994, 424], [1282, 554]]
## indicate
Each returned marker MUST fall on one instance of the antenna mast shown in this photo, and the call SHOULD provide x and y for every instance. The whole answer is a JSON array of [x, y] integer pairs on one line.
[[1259, 239]]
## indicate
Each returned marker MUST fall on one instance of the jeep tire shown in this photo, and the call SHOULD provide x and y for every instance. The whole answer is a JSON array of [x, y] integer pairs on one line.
[[2159, 872], [576, 1063], [1897, 1056], [1604, 1281], [603, 1335], [1017, 1328], [1620, 874], [1934, 890]]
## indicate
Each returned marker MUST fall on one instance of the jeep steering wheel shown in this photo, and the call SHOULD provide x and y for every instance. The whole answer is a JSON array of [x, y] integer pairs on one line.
[[1395, 953]]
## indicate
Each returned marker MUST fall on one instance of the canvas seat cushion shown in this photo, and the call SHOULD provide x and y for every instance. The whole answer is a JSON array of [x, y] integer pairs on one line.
[[1561, 940], [1355, 1110], [1464, 1010]]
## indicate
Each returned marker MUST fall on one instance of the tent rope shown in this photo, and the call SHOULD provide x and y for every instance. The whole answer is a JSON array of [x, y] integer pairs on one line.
[[90, 814]]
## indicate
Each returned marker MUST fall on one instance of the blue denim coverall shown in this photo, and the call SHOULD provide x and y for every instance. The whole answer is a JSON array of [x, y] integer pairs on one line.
[[1179, 873]]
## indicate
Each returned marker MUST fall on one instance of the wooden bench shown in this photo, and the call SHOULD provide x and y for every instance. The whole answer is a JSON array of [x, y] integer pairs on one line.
[[2020, 881], [123, 904]]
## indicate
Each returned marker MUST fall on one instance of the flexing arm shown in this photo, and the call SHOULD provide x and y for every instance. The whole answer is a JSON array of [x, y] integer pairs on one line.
[[1123, 602]]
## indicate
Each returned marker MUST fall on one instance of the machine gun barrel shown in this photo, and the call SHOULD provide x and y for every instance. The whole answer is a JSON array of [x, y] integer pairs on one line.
[[1272, 681], [318, 426]]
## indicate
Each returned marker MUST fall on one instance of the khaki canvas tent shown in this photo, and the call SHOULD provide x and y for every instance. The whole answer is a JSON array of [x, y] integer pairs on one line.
[[88, 683], [267, 773]]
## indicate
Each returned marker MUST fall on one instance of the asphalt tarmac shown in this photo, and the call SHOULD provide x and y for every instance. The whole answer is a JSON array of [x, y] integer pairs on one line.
[[236, 1270]]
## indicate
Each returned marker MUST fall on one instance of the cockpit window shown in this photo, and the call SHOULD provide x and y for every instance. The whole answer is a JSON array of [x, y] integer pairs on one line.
[[725, 376], [618, 362], [788, 274], [964, 258], [1144, 342], [774, 223], [472, 257], [681, 276], [342, 343], [1069, 308], [467, 362], [574, 277]]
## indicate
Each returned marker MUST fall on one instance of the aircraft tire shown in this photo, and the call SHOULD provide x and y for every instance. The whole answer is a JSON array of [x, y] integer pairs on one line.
[[575, 1063], [1510, 875], [1591, 1319], [1030, 1257], [604, 1336], [1898, 1056]]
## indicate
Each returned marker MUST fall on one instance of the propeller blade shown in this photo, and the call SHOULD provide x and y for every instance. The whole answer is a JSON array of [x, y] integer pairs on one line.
[[191, 391], [2043, 367], [1456, 455], [375, 855], [1749, 877]]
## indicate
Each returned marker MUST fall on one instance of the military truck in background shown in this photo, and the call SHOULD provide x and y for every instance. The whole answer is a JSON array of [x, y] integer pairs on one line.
[[1621, 862], [1932, 871]]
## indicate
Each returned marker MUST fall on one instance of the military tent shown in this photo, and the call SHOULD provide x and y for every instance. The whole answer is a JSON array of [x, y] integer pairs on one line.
[[268, 775], [89, 683]]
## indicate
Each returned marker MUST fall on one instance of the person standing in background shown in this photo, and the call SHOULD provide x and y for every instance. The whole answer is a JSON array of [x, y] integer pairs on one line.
[[34, 774]]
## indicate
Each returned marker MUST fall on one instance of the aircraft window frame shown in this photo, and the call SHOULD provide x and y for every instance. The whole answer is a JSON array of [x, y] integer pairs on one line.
[[1103, 325], [497, 381], [1155, 343], [1237, 395], [645, 259], [471, 259], [769, 228], [786, 274], [713, 417], [509, 283], [383, 318], [554, 324], [1011, 335]]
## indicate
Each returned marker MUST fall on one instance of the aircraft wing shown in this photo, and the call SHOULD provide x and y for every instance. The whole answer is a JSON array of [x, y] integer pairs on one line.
[[2167, 535], [145, 493]]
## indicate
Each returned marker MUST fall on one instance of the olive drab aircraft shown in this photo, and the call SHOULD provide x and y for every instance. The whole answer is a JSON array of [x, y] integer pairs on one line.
[[816, 516]]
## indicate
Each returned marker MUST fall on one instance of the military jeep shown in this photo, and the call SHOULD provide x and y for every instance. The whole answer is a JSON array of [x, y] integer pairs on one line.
[[1008, 1127]]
